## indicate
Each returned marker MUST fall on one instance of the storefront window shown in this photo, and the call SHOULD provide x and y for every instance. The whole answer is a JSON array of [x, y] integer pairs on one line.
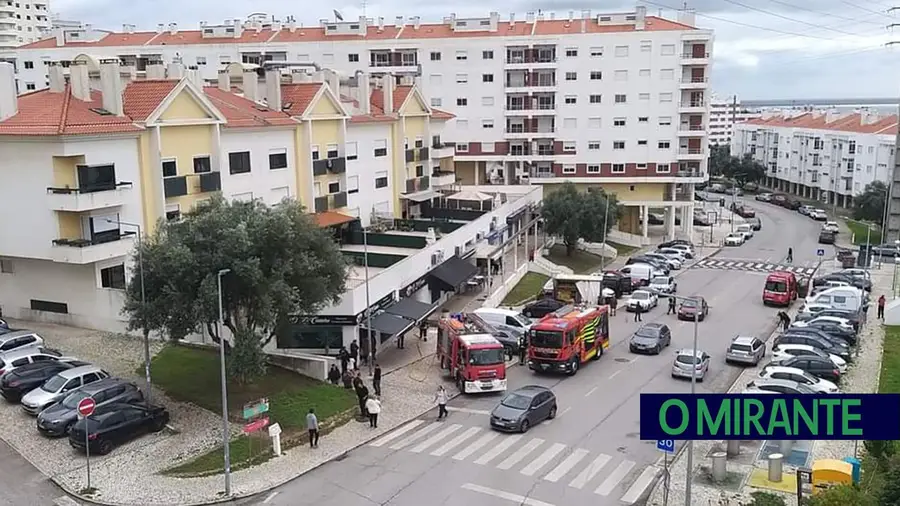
[[311, 336]]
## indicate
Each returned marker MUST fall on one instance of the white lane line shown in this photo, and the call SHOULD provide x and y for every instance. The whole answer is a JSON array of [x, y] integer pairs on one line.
[[469, 410], [613, 375], [495, 452], [566, 465], [564, 412], [614, 478], [270, 497], [453, 443], [474, 447], [424, 431], [543, 459], [521, 453], [590, 471], [500, 494], [590, 392], [68, 501], [637, 488], [435, 439], [387, 438]]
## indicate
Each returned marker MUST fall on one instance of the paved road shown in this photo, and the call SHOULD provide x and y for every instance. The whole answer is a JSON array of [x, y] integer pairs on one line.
[[22, 484], [591, 454]]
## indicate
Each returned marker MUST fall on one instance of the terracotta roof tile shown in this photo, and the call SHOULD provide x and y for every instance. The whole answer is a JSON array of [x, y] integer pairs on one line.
[[241, 112], [332, 218], [846, 123], [192, 37], [299, 96], [141, 98], [47, 113], [442, 115]]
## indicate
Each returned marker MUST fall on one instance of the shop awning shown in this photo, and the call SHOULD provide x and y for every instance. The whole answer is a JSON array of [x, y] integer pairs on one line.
[[410, 309], [454, 272], [421, 196], [391, 324]]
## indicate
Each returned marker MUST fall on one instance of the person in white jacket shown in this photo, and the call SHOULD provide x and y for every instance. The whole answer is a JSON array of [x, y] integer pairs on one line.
[[373, 407]]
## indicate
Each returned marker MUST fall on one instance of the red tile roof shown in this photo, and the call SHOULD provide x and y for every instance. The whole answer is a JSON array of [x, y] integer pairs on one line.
[[141, 98], [191, 37], [298, 96], [241, 112], [46, 113], [332, 218], [845, 123]]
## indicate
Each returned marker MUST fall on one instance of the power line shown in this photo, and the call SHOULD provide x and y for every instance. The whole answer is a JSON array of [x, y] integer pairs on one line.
[[787, 18], [829, 14], [834, 54], [860, 7]]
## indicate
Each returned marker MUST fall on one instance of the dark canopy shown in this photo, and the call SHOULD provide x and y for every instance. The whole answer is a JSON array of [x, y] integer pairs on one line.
[[454, 272]]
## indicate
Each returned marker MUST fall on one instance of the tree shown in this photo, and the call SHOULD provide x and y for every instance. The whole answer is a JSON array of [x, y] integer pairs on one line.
[[869, 205], [572, 215], [765, 499], [719, 158], [281, 264], [842, 495]]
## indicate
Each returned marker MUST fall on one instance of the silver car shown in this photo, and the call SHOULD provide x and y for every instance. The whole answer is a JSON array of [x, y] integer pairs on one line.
[[11, 360], [776, 386], [19, 339], [687, 360], [59, 386], [745, 350]]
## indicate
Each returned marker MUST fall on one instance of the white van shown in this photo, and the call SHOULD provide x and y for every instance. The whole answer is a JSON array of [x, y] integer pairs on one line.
[[841, 297], [641, 274], [500, 316], [746, 229]]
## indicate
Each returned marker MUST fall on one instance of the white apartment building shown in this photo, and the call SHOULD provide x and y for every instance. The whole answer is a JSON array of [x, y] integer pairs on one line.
[[23, 22], [821, 155], [724, 113], [617, 100]]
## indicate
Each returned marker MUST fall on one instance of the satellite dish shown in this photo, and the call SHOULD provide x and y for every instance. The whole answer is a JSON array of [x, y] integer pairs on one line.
[[337, 15]]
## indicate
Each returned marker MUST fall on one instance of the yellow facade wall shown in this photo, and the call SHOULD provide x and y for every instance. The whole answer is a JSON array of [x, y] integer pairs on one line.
[[65, 175], [183, 143], [150, 196], [185, 107], [465, 173], [398, 174], [69, 225], [304, 170]]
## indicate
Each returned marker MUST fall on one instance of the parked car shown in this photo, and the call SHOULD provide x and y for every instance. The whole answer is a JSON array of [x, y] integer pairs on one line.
[[542, 307], [734, 239], [814, 383], [820, 367], [743, 211], [673, 253], [831, 226], [650, 338], [28, 377], [686, 360], [10, 360], [886, 250], [670, 262], [655, 262], [826, 237], [745, 350], [756, 223], [764, 197], [701, 220], [838, 332], [750, 187], [818, 215], [19, 339], [684, 250], [663, 285], [59, 386], [691, 306], [56, 420], [617, 282], [655, 219], [643, 299], [777, 386], [117, 425], [805, 209], [4, 327], [857, 281], [786, 351], [676, 243], [854, 318], [523, 408], [815, 341]]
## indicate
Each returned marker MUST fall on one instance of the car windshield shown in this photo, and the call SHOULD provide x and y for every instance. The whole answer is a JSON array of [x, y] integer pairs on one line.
[[546, 339], [734, 236], [54, 384], [689, 303], [687, 359], [776, 286], [741, 347], [640, 295], [486, 356], [652, 332], [72, 400], [516, 401], [660, 281]]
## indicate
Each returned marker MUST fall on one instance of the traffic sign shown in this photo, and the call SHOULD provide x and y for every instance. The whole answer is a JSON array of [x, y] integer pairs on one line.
[[256, 425], [665, 445], [820, 252], [86, 406], [256, 408]]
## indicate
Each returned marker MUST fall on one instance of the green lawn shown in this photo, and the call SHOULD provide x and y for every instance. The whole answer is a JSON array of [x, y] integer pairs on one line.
[[860, 232], [529, 286], [581, 262], [889, 381], [622, 249]]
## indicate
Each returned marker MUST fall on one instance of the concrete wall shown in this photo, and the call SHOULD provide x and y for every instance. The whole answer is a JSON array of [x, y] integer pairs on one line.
[[362, 172], [261, 182]]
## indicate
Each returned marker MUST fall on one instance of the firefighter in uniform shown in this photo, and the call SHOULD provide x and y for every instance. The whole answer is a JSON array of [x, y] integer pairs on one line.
[[523, 348]]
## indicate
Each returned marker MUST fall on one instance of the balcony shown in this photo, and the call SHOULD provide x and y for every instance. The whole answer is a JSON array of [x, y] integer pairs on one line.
[[520, 132], [77, 200], [330, 202], [528, 155], [694, 83], [691, 174], [691, 153], [529, 62], [695, 58], [87, 251], [542, 86], [395, 65], [334, 165], [691, 131], [209, 182], [443, 178], [692, 107], [175, 186], [442, 150], [418, 184]]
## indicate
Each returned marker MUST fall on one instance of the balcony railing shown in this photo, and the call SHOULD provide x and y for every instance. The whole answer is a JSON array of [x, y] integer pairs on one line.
[[523, 130], [87, 251], [442, 178], [691, 128], [690, 151], [693, 103], [83, 243], [89, 189], [417, 184], [694, 173], [546, 83], [381, 64], [88, 198], [694, 56], [334, 165], [694, 80], [210, 182], [518, 60], [175, 186]]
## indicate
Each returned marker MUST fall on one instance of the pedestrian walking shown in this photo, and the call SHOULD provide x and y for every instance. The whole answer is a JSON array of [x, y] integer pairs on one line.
[[354, 354], [376, 379], [441, 399], [523, 348], [347, 379], [423, 330], [361, 394], [353, 365], [672, 309], [881, 302], [344, 356], [312, 425], [334, 375], [790, 255], [373, 407], [638, 309]]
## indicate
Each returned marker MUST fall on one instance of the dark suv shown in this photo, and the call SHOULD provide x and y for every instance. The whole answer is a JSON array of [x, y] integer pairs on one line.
[[57, 419]]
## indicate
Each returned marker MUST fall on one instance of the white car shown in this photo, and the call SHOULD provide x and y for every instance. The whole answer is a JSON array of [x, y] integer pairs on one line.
[[677, 254], [857, 273], [645, 299], [777, 386], [818, 214], [785, 351], [819, 385], [672, 263], [663, 285], [684, 249], [734, 239], [831, 226]]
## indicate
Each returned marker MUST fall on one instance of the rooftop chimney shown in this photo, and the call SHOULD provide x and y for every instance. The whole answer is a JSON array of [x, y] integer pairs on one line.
[[380, 24], [175, 69], [156, 70], [640, 17], [9, 102], [273, 89], [57, 78], [160, 28], [111, 86], [173, 28], [495, 21], [571, 16], [60, 36], [529, 17], [399, 21], [193, 75], [583, 25], [299, 76], [364, 93], [333, 80], [387, 89], [552, 16], [80, 81], [126, 28], [687, 17], [251, 85], [512, 18], [417, 22], [224, 80], [292, 26]]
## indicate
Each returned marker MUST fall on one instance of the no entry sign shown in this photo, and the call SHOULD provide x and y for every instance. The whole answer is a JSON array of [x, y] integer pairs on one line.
[[86, 406]]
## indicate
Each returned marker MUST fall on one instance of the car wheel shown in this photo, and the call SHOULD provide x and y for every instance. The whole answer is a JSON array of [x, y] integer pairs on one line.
[[104, 447], [574, 367], [158, 425], [552, 414], [658, 350], [525, 426], [461, 385]]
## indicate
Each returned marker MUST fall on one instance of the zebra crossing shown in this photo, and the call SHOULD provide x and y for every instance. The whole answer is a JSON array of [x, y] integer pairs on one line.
[[532, 457], [802, 269]]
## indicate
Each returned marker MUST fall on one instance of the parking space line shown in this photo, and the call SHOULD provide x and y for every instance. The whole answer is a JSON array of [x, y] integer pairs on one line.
[[469, 410], [500, 494], [590, 392], [397, 433], [637, 488], [613, 375]]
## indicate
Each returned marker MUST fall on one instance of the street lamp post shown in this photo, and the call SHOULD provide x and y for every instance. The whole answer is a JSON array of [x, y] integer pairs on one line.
[[225, 430], [690, 456], [368, 304]]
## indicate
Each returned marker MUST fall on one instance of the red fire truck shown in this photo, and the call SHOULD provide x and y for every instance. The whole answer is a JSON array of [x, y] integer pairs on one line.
[[568, 337], [474, 358]]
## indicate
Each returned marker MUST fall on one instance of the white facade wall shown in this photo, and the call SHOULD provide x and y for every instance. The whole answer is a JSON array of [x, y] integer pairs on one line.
[[723, 115], [23, 22], [366, 168], [262, 182]]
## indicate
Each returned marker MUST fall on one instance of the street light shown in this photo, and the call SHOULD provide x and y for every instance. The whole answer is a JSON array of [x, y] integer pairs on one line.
[[225, 431], [143, 303], [690, 456], [371, 360]]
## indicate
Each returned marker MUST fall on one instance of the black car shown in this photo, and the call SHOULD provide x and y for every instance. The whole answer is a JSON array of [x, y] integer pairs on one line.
[[819, 367], [542, 307], [832, 330], [840, 340], [524, 408], [854, 317], [616, 282], [651, 338], [826, 237], [4, 327], [816, 342], [116, 425], [858, 282], [56, 420], [28, 377], [655, 262], [673, 242]]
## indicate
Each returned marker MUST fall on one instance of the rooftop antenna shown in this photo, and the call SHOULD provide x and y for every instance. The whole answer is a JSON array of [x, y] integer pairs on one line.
[[364, 8]]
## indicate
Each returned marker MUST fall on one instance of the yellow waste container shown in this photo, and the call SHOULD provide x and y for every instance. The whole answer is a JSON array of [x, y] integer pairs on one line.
[[828, 472]]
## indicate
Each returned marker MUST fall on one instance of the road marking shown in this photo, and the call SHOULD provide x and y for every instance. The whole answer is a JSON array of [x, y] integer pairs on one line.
[[614, 478], [521, 453], [590, 392], [613, 375], [564, 412], [495, 452], [469, 410], [590, 471], [270, 497], [387, 438], [500, 494], [543, 459], [449, 445], [637, 488], [66, 501], [433, 440], [769, 266], [566, 465], [474, 447], [424, 431]]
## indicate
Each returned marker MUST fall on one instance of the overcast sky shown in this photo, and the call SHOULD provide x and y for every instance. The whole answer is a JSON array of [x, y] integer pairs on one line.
[[763, 48]]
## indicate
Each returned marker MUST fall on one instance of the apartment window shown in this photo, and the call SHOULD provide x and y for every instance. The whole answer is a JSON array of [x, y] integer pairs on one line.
[[570, 123], [667, 49], [278, 159], [435, 56], [353, 57], [239, 163], [462, 56], [334, 187], [665, 120], [568, 168], [646, 46], [420, 142], [300, 57], [618, 145], [594, 123], [462, 148], [596, 99], [662, 168], [201, 60], [642, 142], [487, 78], [621, 99], [202, 164], [667, 74], [113, 277], [169, 168], [488, 147], [435, 79], [6, 266], [618, 168], [314, 151], [593, 169], [571, 76], [353, 184], [380, 147], [332, 151], [462, 102], [620, 75], [665, 97], [621, 51], [30, 86], [328, 57], [569, 147], [596, 75], [28, 64], [571, 99], [462, 124], [619, 122], [644, 73], [435, 102], [663, 145], [593, 145], [487, 123], [643, 119], [487, 55], [462, 78], [487, 101], [351, 151], [381, 179], [571, 52], [642, 166], [596, 52]]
